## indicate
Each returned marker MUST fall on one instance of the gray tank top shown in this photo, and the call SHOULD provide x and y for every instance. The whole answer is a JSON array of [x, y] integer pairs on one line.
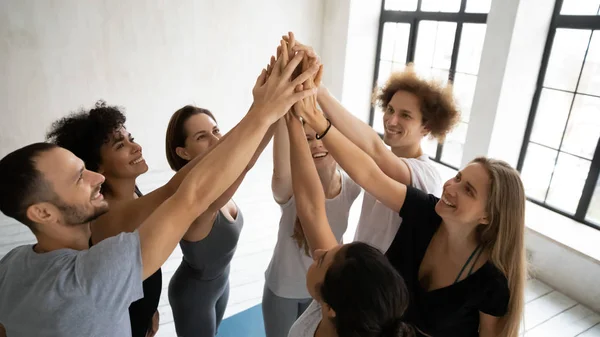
[[210, 257]]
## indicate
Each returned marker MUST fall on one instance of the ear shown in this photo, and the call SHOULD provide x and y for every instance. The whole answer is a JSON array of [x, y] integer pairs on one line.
[[41, 213], [484, 220], [329, 311], [181, 152], [425, 130]]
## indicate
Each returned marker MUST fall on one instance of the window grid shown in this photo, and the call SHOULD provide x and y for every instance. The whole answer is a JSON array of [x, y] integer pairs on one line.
[[413, 18], [579, 22]]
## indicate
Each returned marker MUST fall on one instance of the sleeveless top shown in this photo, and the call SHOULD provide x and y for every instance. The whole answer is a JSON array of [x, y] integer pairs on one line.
[[211, 256]]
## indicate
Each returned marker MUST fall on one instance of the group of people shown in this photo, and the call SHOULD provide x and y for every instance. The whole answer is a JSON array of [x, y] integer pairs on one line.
[[428, 258]]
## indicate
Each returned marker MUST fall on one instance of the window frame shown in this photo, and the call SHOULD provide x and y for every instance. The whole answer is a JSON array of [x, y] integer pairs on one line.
[[413, 18], [560, 21]]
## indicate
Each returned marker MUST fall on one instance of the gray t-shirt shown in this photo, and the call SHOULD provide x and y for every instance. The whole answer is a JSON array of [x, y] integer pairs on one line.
[[71, 293], [306, 325]]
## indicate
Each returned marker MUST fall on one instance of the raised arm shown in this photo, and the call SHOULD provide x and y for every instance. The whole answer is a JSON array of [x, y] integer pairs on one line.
[[359, 166], [216, 172], [308, 191], [228, 194], [357, 131], [281, 182]]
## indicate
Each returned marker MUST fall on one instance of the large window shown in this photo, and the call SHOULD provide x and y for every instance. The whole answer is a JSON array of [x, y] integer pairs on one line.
[[444, 39], [560, 157]]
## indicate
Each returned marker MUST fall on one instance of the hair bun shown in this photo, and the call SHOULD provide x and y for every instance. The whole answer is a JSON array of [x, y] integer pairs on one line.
[[398, 328]]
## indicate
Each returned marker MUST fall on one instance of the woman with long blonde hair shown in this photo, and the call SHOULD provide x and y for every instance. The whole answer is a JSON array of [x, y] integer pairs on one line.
[[462, 256]]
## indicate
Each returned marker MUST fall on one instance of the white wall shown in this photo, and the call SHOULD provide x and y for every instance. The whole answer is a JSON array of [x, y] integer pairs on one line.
[[150, 56]]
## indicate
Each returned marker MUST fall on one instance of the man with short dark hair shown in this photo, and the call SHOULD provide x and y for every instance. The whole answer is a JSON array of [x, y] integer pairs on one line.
[[59, 287]]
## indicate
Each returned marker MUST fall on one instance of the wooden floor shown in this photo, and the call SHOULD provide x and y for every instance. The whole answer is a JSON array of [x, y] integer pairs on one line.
[[548, 312]]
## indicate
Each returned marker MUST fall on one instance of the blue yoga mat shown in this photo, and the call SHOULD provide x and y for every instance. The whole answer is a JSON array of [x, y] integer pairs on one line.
[[248, 323]]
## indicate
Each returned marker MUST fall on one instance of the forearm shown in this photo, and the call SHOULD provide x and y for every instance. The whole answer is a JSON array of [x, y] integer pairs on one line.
[[308, 191], [357, 131], [261, 147], [281, 181]]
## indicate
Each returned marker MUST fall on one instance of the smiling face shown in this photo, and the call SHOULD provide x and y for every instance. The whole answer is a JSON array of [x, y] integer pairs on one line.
[[202, 132], [77, 191], [122, 157], [403, 121], [465, 197], [321, 157]]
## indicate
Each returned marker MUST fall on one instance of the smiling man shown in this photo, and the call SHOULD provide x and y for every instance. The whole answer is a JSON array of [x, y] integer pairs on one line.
[[413, 108], [60, 286]]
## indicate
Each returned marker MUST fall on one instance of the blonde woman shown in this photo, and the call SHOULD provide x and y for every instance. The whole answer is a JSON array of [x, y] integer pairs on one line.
[[462, 256]]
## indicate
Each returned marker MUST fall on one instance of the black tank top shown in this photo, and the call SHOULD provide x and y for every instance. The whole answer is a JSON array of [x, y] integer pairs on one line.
[[142, 310]]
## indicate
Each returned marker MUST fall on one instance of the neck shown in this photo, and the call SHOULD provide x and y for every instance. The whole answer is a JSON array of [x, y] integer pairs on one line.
[[408, 151], [326, 328], [76, 237], [119, 189], [459, 237], [331, 181]]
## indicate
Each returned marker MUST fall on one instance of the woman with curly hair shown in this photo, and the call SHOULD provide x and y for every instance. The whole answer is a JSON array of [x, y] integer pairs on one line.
[[98, 136]]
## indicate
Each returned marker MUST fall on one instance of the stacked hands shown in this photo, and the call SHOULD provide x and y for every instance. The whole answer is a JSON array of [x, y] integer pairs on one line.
[[288, 85]]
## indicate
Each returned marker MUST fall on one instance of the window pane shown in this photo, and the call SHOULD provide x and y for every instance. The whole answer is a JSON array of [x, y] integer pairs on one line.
[[453, 146], [551, 117], [400, 5], [378, 119], [580, 7], [471, 44], [566, 58], [590, 78], [583, 129], [435, 42], [478, 6], [593, 213], [385, 68], [464, 90], [537, 170], [401, 48], [387, 41], [449, 6], [569, 177], [429, 146]]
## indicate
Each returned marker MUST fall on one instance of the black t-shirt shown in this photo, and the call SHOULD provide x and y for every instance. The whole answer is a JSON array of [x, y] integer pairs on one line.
[[453, 310]]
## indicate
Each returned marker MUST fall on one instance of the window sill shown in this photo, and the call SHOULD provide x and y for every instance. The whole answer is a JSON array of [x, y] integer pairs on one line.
[[564, 231]]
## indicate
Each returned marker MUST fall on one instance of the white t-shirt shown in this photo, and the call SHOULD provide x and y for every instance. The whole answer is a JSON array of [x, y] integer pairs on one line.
[[286, 274], [379, 224], [306, 325]]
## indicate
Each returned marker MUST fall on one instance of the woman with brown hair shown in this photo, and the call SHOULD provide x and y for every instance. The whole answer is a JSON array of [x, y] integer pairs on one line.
[[199, 289]]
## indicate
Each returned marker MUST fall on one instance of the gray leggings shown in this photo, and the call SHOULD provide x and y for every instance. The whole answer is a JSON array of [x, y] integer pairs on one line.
[[279, 314], [198, 305]]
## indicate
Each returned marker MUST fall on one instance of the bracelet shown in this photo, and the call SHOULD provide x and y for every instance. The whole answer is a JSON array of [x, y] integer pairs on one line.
[[326, 130]]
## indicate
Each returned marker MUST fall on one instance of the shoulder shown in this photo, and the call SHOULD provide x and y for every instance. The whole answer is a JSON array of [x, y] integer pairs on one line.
[[424, 175], [307, 323], [418, 204], [15, 253]]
